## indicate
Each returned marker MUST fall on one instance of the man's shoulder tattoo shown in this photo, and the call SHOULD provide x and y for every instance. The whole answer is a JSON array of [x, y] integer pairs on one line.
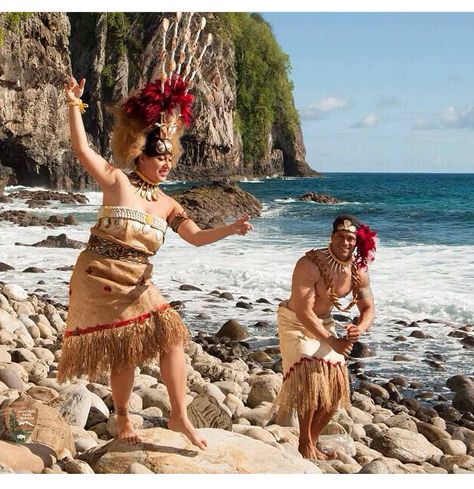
[[364, 293]]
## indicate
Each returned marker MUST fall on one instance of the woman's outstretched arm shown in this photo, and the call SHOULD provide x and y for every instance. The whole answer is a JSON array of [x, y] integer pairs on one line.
[[193, 234], [101, 170]]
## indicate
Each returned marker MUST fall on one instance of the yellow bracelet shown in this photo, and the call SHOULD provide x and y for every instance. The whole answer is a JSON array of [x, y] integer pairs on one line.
[[79, 103]]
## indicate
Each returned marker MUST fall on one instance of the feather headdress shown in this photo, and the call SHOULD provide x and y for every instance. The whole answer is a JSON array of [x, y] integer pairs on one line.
[[154, 119]]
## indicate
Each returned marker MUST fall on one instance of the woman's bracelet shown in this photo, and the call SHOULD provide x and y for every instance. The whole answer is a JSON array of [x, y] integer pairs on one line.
[[79, 103]]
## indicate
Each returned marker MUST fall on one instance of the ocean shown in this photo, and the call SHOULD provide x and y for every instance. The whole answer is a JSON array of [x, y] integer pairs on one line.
[[423, 269]]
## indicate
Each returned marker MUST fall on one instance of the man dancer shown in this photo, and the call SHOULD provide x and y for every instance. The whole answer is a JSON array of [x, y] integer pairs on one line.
[[315, 379]]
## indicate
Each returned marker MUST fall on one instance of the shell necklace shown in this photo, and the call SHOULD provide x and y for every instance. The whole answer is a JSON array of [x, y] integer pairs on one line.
[[335, 263], [145, 187]]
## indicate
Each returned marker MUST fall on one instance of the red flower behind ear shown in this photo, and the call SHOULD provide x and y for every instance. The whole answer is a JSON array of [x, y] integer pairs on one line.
[[366, 245]]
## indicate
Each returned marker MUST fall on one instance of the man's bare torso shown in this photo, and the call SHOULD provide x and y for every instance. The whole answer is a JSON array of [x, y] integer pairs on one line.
[[341, 283]]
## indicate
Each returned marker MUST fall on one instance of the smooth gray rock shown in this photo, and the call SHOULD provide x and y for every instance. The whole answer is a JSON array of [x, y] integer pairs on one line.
[[74, 404], [404, 445]]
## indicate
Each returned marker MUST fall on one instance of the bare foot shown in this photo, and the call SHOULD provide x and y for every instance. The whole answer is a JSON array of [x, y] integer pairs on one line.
[[307, 449], [183, 425], [125, 430], [329, 455]]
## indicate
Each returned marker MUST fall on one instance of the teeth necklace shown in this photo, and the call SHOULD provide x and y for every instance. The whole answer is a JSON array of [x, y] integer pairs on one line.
[[334, 262], [146, 188]]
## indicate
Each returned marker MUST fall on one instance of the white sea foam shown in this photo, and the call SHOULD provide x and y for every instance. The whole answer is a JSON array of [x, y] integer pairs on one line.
[[251, 180], [410, 282]]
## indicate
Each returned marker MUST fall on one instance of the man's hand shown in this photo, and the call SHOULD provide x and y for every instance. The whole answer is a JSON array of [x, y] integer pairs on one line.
[[341, 346], [353, 333]]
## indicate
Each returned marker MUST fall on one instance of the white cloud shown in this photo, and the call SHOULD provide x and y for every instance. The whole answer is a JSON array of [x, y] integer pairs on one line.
[[370, 120], [461, 119], [450, 118], [325, 105]]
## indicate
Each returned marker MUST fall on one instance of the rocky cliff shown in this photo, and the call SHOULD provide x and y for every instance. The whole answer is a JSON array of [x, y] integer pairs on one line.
[[117, 53]]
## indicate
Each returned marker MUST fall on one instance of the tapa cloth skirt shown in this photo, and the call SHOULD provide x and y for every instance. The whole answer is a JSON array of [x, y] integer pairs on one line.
[[314, 375], [117, 319]]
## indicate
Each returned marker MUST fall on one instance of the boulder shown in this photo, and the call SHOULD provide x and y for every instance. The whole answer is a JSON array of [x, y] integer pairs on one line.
[[157, 397], [449, 462], [136, 468], [264, 388], [319, 198], [451, 447], [206, 412], [358, 416], [361, 350], [365, 403], [404, 445], [167, 452], [364, 454], [9, 322], [211, 204], [403, 421], [458, 382], [11, 378], [29, 457], [50, 429], [432, 432], [255, 432], [43, 394], [15, 292], [384, 465], [74, 403], [375, 390], [464, 400], [233, 330], [60, 241], [77, 467]]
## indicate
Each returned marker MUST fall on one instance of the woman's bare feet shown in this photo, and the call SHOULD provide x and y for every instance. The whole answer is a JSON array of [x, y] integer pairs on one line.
[[125, 430], [183, 425], [307, 449], [310, 451]]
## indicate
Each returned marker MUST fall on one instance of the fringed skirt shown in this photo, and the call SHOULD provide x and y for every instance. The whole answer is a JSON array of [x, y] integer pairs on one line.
[[117, 319], [314, 375]]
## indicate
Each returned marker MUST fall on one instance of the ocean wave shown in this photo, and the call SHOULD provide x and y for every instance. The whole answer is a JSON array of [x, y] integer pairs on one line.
[[291, 200], [252, 180]]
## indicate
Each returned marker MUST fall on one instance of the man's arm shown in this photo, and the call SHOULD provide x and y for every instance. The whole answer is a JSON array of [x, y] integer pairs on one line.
[[366, 306], [305, 276]]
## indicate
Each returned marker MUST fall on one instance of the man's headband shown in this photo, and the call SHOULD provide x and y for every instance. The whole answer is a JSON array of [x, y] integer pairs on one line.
[[347, 226]]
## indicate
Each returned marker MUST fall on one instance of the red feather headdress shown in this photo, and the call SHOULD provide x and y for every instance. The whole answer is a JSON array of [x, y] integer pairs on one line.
[[157, 98]]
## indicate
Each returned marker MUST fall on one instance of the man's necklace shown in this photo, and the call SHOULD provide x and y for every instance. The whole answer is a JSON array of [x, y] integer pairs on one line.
[[335, 263], [145, 188]]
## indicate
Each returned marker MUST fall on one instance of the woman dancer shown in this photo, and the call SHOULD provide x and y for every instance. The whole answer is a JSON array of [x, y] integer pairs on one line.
[[117, 318]]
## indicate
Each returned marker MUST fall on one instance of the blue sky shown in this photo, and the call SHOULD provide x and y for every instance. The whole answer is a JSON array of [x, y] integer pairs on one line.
[[391, 92]]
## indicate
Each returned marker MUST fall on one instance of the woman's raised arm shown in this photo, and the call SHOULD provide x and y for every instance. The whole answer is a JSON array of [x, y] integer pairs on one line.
[[101, 170]]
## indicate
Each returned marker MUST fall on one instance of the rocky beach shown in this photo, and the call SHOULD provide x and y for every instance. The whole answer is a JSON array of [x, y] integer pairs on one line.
[[230, 389]]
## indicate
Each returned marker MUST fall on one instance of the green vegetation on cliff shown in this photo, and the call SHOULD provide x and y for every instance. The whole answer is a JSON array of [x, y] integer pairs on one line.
[[264, 91], [11, 21]]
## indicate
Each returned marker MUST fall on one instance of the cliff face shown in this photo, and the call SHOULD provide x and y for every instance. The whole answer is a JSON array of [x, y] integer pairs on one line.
[[117, 54], [34, 142]]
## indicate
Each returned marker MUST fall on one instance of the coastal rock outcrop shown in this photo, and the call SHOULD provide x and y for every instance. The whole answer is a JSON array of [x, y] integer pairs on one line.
[[210, 205], [319, 198]]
